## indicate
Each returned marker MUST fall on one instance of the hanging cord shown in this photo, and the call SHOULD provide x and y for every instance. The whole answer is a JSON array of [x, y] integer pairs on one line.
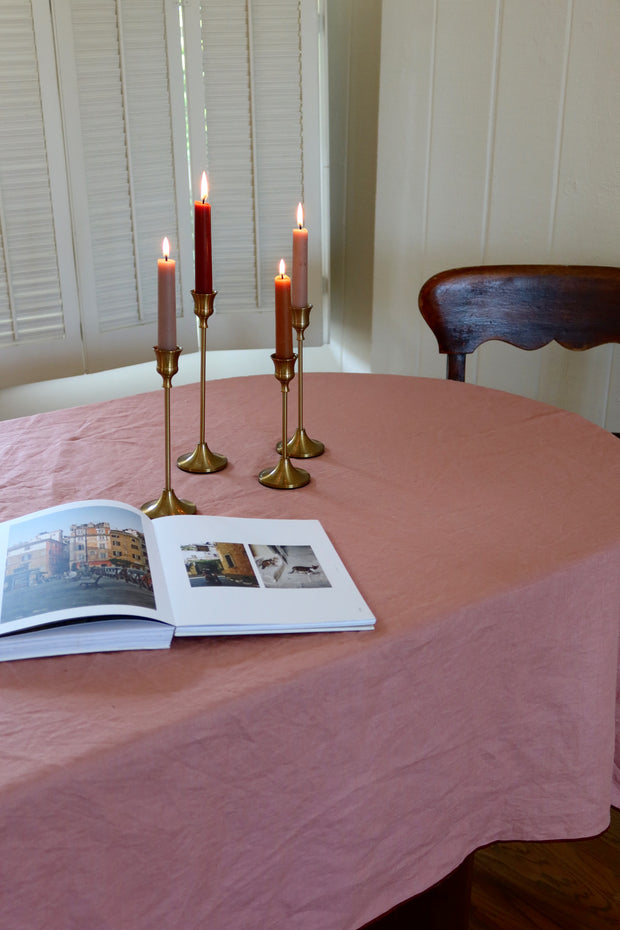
[[301, 102]]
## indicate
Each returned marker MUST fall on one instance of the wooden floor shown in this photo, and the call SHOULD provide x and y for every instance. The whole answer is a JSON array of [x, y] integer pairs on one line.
[[549, 886], [528, 886]]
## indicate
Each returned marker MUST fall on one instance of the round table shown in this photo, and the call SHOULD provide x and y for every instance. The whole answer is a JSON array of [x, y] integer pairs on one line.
[[316, 780]]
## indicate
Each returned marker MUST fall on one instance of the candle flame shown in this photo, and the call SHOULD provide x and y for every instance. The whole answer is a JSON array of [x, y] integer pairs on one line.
[[165, 247], [300, 215], [282, 267], [204, 187]]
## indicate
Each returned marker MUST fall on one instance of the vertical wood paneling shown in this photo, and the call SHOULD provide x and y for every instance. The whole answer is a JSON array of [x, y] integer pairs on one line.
[[363, 66], [462, 98], [499, 141], [463, 107], [408, 33], [528, 121], [528, 127], [463, 103], [587, 223]]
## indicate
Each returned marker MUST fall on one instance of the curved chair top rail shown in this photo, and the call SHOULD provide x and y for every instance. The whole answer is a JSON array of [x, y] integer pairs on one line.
[[525, 305]]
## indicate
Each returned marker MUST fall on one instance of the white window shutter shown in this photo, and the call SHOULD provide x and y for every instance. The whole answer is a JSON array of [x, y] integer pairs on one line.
[[97, 145], [262, 153], [39, 326], [122, 80]]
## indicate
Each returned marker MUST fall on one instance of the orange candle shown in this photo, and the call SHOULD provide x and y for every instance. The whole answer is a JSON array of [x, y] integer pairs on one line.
[[299, 297], [166, 300], [284, 326], [202, 240]]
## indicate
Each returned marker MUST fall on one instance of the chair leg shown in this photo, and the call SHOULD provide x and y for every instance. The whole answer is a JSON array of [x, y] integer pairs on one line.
[[455, 367]]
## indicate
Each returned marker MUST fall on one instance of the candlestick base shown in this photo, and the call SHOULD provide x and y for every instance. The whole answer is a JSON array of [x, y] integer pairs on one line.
[[284, 476], [300, 446], [202, 461], [166, 505]]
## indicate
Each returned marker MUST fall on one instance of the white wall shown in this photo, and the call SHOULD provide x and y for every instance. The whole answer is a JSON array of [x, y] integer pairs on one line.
[[354, 41], [499, 140]]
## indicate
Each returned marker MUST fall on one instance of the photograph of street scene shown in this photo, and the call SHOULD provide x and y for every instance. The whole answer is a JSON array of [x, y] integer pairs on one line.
[[289, 567], [211, 563], [215, 563], [78, 557]]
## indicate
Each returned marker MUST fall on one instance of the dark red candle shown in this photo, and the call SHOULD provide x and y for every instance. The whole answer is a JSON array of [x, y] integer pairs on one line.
[[202, 240]]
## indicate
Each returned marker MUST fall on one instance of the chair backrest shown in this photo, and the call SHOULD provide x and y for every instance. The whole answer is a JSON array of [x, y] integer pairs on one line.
[[524, 305]]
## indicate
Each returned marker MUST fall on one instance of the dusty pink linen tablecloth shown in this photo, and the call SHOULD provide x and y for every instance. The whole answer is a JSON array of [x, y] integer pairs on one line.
[[314, 781]]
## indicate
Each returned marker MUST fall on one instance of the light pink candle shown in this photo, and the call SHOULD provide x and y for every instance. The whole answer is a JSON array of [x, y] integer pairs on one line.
[[284, 325], [166, 300], [299, 295]]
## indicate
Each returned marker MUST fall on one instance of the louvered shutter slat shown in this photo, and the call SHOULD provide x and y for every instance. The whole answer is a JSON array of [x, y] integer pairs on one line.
[[27, 239]]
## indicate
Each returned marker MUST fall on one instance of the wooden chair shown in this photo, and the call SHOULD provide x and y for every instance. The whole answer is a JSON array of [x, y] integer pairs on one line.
[[524, 305]]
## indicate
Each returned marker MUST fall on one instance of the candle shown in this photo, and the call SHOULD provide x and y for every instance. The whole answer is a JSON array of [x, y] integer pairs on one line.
[[299, 297], [202, 240], [166, 300], [284, 327]]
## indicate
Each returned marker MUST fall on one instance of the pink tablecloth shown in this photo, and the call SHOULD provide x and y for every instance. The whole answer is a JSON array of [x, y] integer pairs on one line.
[[314, 781]]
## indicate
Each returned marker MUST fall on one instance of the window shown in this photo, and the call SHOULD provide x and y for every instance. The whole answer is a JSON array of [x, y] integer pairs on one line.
[[109, 113]]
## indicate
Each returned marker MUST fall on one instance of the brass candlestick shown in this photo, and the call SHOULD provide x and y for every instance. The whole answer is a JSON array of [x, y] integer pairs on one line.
[[202, 461], [300, 446], [167, 503], [284, 475]]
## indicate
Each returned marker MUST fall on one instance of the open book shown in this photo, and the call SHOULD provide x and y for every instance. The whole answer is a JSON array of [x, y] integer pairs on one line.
[[95, 576]]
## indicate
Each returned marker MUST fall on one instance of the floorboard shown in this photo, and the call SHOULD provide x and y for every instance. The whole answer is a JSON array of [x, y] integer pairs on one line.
[[549, 886], [527, 886]]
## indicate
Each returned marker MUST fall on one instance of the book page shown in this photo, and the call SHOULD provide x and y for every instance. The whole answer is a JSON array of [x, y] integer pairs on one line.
[[235, 575], [80, 560]]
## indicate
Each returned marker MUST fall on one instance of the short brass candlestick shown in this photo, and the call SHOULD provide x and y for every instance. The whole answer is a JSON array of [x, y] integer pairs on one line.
[[284, 475], [167, 503], [300, 446], [202, 461]]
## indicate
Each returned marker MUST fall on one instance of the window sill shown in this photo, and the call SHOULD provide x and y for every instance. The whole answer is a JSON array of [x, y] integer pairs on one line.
[[42, 396]]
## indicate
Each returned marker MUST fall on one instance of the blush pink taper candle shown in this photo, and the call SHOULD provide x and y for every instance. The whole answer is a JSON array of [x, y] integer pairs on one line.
[[299, 295], [166, 300]]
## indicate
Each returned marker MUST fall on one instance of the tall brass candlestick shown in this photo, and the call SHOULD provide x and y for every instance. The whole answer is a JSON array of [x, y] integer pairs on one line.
[[284, 475], [167, 503], [202, 461], [300, 446]]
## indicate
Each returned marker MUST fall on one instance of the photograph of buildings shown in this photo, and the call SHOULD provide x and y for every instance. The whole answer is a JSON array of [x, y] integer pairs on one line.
[[73, 558], [215, 563]]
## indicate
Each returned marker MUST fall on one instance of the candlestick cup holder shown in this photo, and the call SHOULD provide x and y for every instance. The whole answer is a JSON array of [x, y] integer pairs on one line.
[[202, 461], [284, 475], [167, 503], [300, 445]]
